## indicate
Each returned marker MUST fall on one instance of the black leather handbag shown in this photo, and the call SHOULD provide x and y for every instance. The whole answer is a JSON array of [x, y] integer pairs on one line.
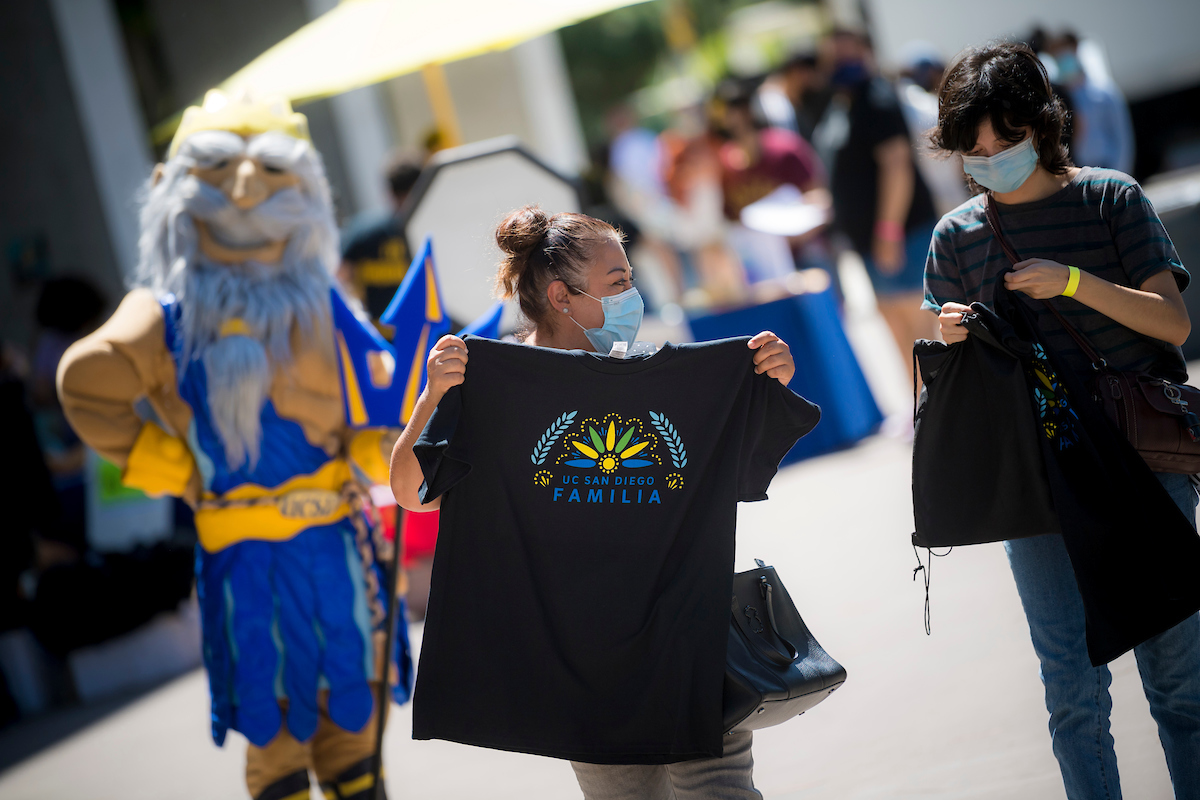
[[774, 667]]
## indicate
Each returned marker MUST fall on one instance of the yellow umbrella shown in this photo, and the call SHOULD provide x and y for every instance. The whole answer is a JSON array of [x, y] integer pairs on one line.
[[361, 42]]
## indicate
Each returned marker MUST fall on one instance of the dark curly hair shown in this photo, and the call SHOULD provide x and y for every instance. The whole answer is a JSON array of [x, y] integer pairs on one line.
[[1007, 84]]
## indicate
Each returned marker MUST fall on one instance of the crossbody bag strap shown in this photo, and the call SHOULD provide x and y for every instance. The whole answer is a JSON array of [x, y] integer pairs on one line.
[[1089, 350]]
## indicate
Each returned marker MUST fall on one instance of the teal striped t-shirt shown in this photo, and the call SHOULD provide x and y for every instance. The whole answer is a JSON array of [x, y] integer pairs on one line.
[[1101, 222]]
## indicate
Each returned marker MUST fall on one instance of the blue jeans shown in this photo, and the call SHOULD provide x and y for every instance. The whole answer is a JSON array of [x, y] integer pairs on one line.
[[911, 278], [1077, 695]]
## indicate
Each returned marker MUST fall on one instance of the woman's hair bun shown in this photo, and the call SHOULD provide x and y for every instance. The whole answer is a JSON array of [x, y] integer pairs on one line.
[[522, 230], [534, 256]]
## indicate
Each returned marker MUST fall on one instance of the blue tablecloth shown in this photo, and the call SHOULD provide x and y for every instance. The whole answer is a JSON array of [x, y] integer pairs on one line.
[[827, 373]]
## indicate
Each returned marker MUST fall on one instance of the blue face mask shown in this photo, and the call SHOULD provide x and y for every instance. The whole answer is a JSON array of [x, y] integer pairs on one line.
[[849, 73], [1005, 171], [622, 319], [1068, 68]]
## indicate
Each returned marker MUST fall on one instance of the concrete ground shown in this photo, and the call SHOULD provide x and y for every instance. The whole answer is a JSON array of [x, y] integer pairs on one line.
[[958, 714]]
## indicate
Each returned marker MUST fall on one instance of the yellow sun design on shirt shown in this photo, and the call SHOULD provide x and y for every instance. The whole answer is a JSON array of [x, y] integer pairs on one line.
[[609, 445]]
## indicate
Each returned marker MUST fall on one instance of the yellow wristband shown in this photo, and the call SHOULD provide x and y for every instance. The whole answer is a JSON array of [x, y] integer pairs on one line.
[[1072, 282]]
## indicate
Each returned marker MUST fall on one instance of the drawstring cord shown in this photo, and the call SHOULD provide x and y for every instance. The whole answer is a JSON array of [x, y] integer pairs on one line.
[[927, 570], [924, 569]]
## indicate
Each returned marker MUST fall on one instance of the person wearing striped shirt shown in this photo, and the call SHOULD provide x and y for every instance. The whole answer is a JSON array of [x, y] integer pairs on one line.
[[1090, 239]]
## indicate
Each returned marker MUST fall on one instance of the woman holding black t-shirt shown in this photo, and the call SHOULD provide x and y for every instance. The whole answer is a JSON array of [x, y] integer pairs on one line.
[[1102, 253], [574, 285]]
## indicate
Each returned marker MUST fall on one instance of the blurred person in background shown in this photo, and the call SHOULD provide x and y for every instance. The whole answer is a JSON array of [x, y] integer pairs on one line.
[[757, 159], [920, 76], [374, 262], [793, 96], [880, 201], [68, 595], [1103, 131], [699, 230], [229, 339], [374, 257], [28, 491], [773, 104], [635, 182], [67, 309], [1040, 41], [28, 498], [756, 162]]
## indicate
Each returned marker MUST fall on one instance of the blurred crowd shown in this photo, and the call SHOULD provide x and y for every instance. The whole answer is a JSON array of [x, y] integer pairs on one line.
[[756, 191], [769, 180], [737, 199]]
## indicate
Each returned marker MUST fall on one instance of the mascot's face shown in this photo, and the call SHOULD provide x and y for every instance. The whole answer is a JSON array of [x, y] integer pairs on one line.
[[247, 181], [238, 225]]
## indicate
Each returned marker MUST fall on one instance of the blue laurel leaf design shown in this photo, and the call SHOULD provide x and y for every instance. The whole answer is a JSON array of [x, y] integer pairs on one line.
[[671, 437], [557, 429]]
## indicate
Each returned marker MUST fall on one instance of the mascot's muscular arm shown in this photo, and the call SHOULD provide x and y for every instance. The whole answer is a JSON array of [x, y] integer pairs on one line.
[[103, 375]]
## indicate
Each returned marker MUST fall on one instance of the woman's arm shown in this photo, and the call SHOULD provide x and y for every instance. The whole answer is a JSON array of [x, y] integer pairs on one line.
[[447, 367], [1154, 309]]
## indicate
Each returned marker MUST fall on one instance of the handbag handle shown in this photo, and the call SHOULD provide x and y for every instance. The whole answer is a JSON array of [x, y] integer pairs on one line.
[[772, 654], [1089, 350]]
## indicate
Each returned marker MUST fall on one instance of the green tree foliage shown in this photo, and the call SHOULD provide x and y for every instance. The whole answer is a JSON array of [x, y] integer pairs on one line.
[[613, 55]]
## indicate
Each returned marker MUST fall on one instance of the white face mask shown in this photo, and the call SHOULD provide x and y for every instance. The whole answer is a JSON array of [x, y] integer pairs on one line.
[[622, 319]]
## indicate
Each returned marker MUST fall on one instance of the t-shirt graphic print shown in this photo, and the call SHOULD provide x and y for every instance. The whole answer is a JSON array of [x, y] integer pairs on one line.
[[598, 455], [580, 595]]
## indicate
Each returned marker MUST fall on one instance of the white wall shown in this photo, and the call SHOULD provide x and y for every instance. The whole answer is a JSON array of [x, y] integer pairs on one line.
[[365, 136], [106, 101], [549, 101], [523, 92], [1151, 44]]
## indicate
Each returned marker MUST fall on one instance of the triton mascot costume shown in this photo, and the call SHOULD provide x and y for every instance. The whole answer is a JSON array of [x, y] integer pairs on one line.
[[236, 377]]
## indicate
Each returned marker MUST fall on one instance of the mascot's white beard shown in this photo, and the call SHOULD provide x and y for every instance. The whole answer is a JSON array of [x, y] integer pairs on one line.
[[272, 299]]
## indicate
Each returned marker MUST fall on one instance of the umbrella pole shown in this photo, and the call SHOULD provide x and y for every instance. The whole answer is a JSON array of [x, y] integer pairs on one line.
[[440, 99]]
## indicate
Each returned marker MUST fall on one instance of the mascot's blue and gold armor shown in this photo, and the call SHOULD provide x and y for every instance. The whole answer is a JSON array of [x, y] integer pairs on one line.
[[236, 377]]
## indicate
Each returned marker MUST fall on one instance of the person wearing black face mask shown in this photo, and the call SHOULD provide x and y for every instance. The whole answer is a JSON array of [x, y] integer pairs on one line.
[[880, 203]]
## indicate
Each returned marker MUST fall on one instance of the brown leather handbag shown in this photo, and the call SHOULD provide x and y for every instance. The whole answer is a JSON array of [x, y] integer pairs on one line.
[[1154, 414]]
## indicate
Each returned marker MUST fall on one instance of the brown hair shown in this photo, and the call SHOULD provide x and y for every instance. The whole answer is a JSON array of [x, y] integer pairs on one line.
[[1007, 84], [540, 249]]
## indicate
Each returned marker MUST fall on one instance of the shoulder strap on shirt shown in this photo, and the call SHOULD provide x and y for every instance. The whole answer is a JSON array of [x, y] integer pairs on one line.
[[993, 218]]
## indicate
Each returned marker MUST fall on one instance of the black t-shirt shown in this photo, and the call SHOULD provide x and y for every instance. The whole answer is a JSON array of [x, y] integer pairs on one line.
[[852, 133], [580, 597]]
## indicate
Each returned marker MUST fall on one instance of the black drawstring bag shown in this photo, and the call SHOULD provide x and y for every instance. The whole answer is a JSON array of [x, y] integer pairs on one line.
[[978, 474], [1136, 557]]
